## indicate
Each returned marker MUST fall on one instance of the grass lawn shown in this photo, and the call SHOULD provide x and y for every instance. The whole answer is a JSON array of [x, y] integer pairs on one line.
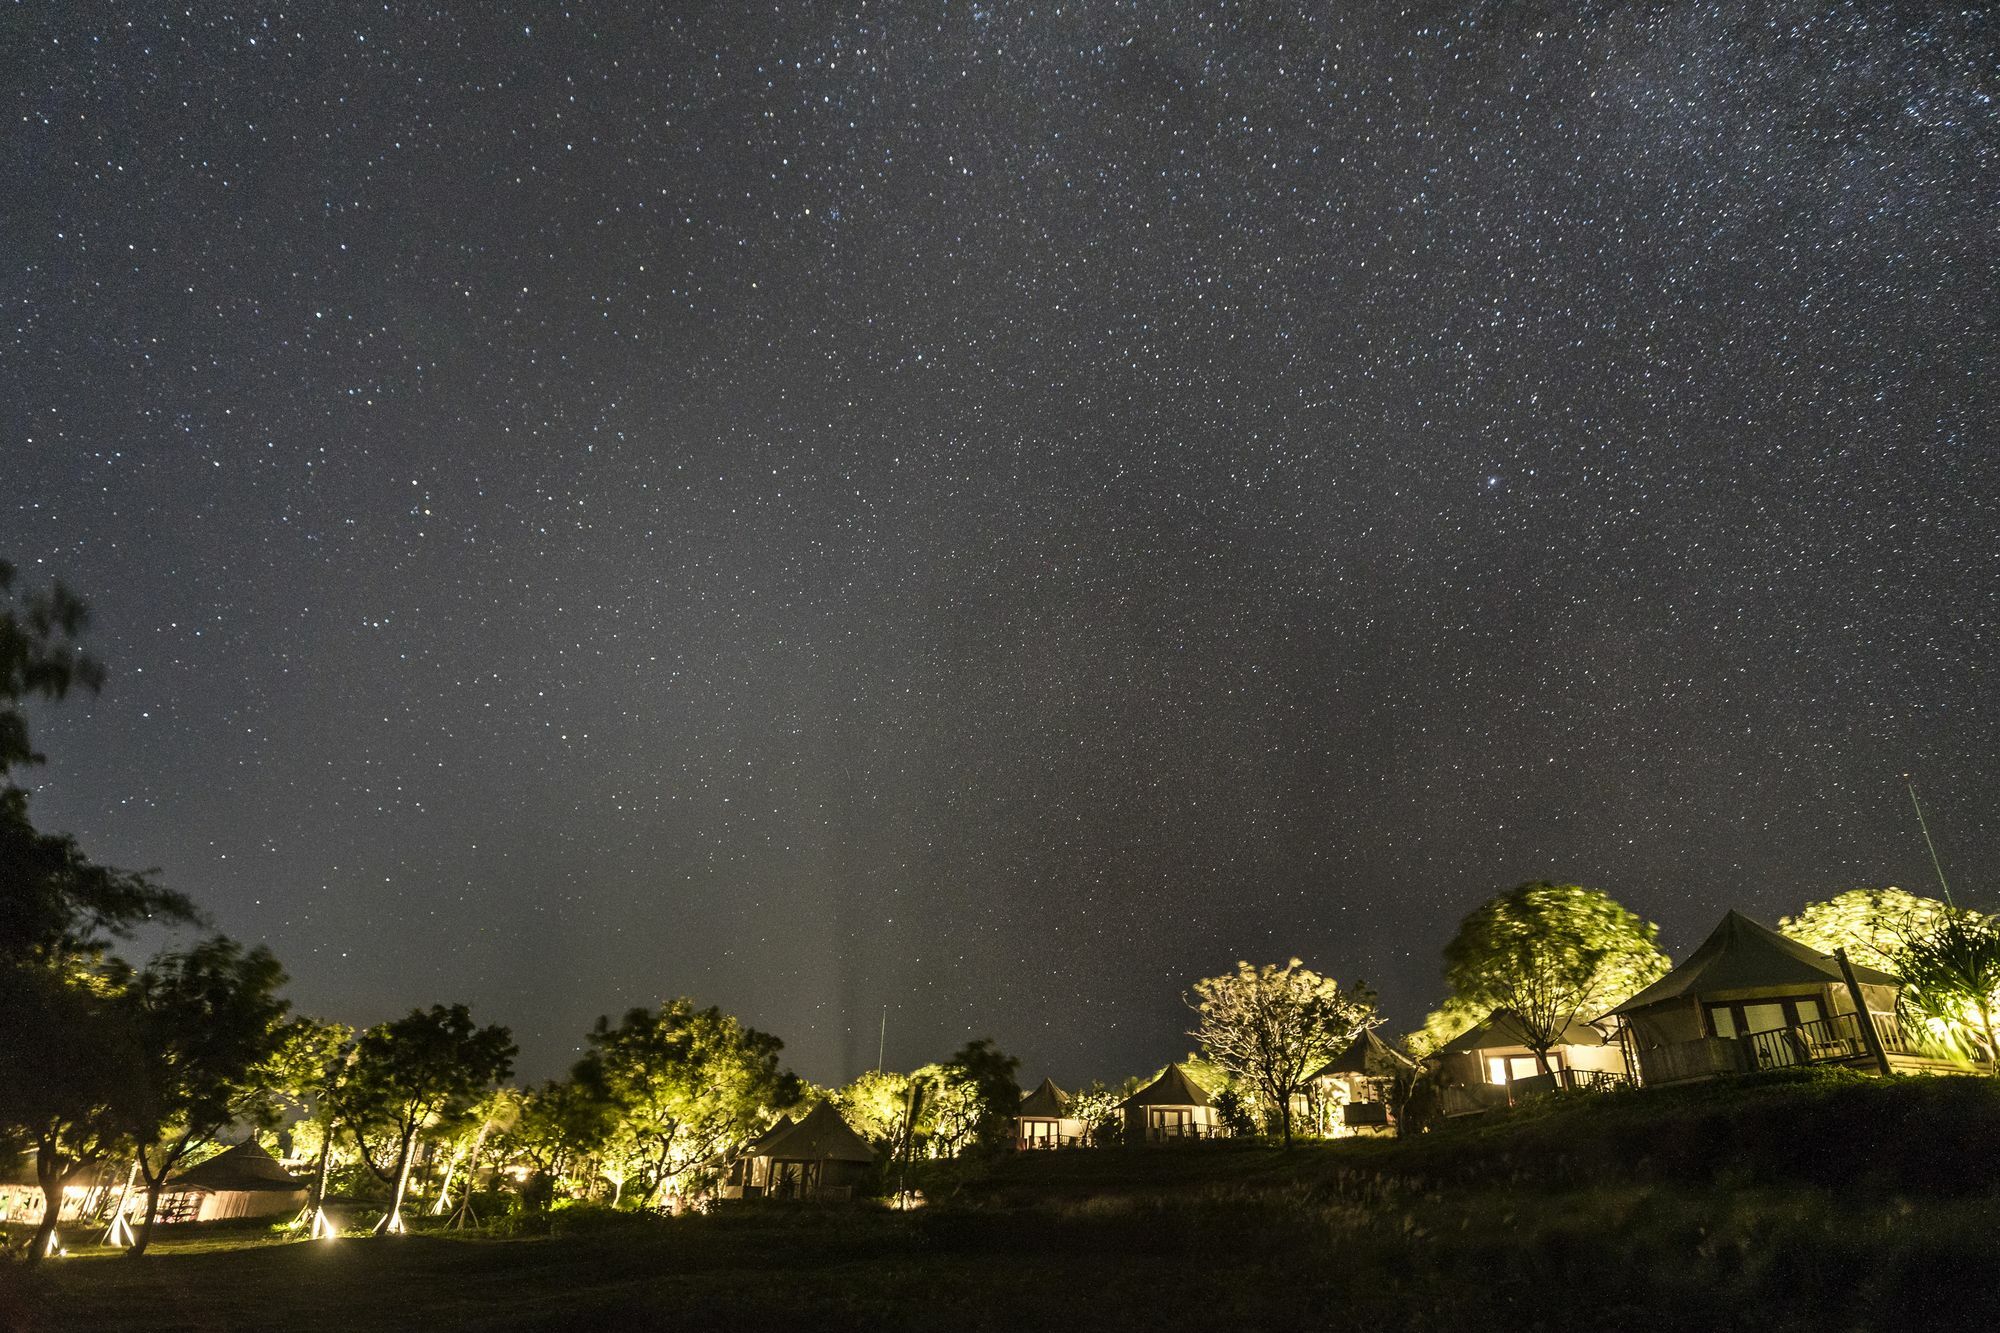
[[1517, 1226]]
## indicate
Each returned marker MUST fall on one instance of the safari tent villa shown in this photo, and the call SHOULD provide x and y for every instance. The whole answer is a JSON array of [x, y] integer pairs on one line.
[[750, 1173], [1044, 1121], [1750, 999], [1491, 1064], [1349, 1094], [1170, 1108], [245, 1181], [821, 1157]]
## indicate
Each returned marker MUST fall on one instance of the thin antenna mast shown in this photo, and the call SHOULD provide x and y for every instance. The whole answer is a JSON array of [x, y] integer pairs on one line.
[[1936, 864]]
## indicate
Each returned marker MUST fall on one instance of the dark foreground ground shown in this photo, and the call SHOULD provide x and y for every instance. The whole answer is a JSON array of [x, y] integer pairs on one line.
[[1812, 1206]]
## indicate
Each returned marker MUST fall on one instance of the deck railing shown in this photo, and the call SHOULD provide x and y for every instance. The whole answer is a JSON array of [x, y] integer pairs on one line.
[[1050, 1142], [1185, 1133], [1835, 1039]]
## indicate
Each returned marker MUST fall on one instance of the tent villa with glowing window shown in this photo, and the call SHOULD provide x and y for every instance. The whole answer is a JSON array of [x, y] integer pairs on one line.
[[1170, 1108], [1750, 998], [821, 1157], [1349, 1094], [1044, 1121], [1490, 1065], [749, 1172]]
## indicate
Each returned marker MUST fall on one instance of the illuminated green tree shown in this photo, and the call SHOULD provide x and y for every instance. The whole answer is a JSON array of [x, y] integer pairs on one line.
[[558, 1133], [874, 1104], [1951, 980], [300, 1083], [681, 1087], [1273, 1027], [1440, 1026], [1551, 954], [1872, 924], [207, 1021], [407, 1076]]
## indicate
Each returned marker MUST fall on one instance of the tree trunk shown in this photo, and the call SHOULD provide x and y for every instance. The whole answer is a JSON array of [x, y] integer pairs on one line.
[[145, 1236], [154, 1183], [443, 1203], [50, 1174], [1542, 1060], [465, 1217], [316, 1204], [1285, 1117], [392, 1221]]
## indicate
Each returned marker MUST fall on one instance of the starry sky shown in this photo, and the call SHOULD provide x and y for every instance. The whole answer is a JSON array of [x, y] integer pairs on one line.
[[995, 511]]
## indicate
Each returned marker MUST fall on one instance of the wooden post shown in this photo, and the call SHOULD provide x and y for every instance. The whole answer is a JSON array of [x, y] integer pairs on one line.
[[1862, 1018]]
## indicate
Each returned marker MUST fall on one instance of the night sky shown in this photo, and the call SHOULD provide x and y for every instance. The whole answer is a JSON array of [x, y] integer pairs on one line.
[[997, 511]]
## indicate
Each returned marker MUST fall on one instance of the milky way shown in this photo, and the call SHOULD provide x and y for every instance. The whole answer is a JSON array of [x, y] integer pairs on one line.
[[998, 511]]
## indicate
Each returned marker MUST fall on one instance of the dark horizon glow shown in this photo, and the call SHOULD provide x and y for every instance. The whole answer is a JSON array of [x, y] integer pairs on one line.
[[998, 515]]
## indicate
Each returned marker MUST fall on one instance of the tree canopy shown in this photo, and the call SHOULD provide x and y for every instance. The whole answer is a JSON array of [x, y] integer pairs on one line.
[[1872, 924], [1273, 1027], [1552, 954], [41, 656], [1951, 981], [406, 1075], [208, 1021], [680, 1086]]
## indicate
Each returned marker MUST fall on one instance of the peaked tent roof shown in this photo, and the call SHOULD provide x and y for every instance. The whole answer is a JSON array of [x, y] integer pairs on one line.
[[1503, 1028], [1368, 1054], [757, 1146], [1173, 1088], [822, 1135], [1047, 1100], [1742, 954], [244, 1167]]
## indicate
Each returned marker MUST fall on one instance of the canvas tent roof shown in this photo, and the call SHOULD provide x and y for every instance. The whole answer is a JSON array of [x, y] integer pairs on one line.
[[821, 1136], [1173, 1088], [758, 1147], [1046, 1100], [244, 1167], [1367, 1055], [1502, 1028], [1741, 954]]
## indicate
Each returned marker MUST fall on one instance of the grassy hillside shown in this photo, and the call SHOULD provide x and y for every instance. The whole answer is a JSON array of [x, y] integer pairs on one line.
[[1778, 1205]]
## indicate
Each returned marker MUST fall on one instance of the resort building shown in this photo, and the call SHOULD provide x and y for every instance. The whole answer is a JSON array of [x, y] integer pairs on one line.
[[1171, 1108], [1750, 998], [1351, 1093], [1044, 1121], [1491, 1064]]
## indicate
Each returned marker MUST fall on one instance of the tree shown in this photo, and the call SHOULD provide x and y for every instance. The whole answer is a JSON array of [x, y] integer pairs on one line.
[[406, 1075], [67, 1056], [301, 1081], [1872, 924], [207, 1021], [1273, 1027], [982, 1079], [1551, 955], [681, 1086], [875, 1104], [41, 656], [1097, 1107], [1951, 980], [1440, 1026], [559, 1127]]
